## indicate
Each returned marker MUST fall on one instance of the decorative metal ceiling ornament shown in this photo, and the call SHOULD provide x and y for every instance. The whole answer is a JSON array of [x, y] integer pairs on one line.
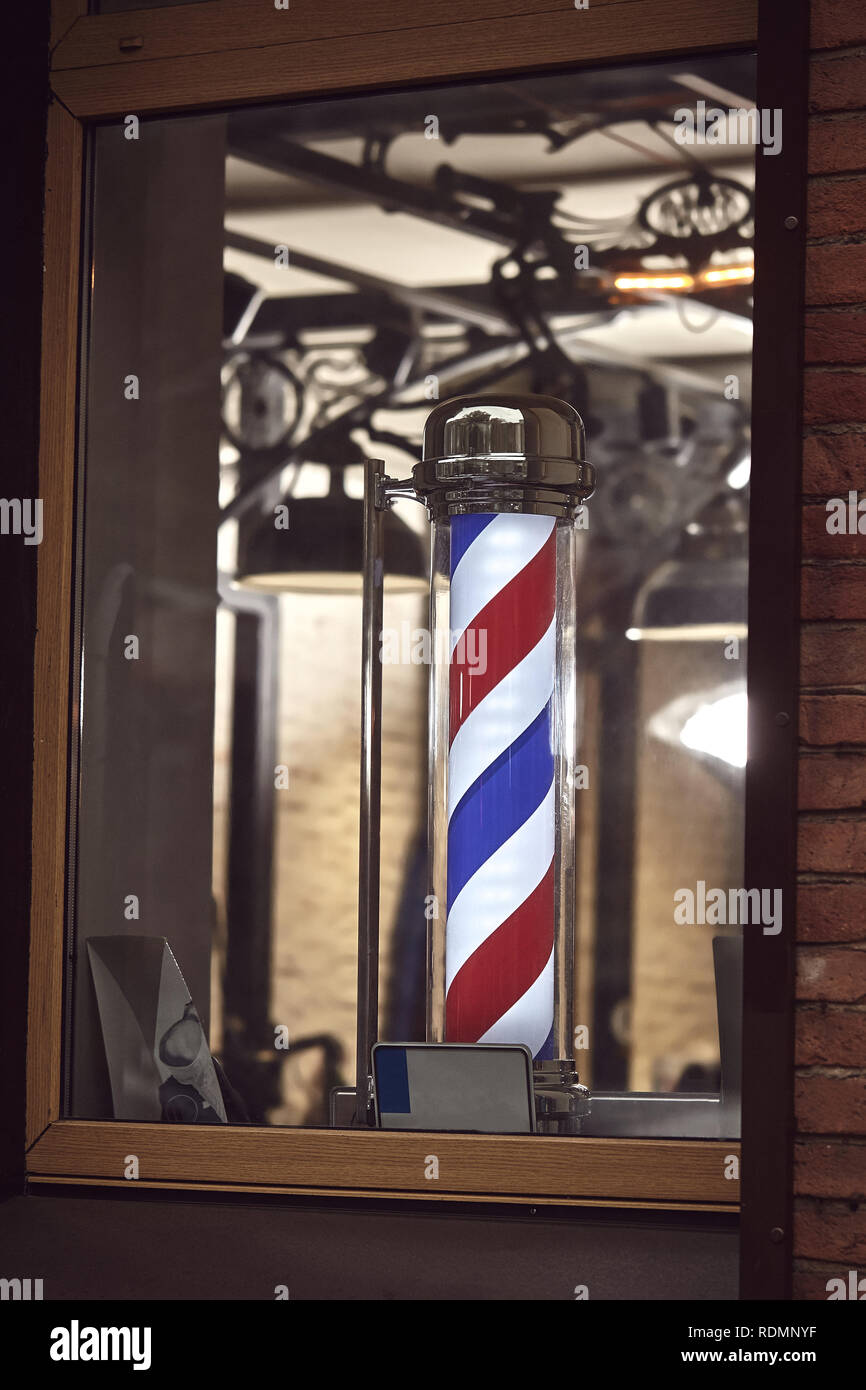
[[695, 216], [262, 402]]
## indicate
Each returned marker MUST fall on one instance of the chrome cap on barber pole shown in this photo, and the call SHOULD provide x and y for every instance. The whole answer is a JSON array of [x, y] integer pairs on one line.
[[504, 453]]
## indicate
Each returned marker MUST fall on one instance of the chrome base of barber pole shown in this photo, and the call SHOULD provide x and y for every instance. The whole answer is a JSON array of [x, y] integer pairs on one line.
[[561, 1102]]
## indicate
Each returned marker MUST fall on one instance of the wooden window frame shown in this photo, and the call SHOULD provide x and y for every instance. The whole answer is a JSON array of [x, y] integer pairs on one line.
[[230, 52]]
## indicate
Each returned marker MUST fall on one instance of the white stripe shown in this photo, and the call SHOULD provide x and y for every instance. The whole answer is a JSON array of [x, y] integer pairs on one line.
[[498, 887], [503, 715], [530, 1020], [497, 554]]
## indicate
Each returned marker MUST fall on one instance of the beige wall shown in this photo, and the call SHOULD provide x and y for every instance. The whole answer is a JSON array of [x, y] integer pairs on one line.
[[689, 826], [316, 829]]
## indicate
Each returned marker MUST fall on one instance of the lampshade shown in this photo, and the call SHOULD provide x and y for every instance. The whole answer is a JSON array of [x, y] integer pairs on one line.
[[701, 594], [320, 551]]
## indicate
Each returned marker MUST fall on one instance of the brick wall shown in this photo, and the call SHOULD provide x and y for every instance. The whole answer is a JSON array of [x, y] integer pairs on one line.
[[830, 1083]]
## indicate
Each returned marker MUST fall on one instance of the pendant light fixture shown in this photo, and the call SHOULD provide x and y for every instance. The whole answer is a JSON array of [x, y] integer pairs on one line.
[[701, 593], [319, 550]]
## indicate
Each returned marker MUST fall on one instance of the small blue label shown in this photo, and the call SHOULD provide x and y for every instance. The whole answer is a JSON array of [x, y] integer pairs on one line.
[[392, 1081]]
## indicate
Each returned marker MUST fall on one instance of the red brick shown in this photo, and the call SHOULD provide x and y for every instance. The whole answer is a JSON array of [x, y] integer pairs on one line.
[[831, 911], [836, 206], [829, 1170], [832, 781], [819, 543], [833, 463], [833, 397], [836, 974], [831, 1038], [834, 23], [809, 1283], [835, 335], [837, 84], [833, 655], [832, 591], [830, 1105], [829, 719], [825, 1230], [831, 845], [837, 144], [836, 274]]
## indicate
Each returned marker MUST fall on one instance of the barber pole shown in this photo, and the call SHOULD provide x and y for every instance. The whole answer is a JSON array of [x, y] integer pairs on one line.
[[499, 943], [504, 479]]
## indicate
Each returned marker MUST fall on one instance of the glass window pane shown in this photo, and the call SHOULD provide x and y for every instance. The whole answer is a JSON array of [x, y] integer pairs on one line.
[[278, 295]]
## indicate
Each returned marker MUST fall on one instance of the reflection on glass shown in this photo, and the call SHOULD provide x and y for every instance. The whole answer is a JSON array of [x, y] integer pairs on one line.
[[277, 296], [719, 728]]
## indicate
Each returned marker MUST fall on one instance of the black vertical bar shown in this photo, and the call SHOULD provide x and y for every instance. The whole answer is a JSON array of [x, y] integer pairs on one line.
[[774, 591], [250, 854], [371, 786], [617, 768]]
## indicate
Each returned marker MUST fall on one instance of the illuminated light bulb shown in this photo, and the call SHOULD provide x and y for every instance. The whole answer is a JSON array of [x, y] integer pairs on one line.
[[731, 274], [740, 473], [679, 281]]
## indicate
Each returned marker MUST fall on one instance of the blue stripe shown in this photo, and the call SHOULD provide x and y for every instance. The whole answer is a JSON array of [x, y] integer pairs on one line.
[[392, 1081], [546, 1054], [500, 801], [464, 530]]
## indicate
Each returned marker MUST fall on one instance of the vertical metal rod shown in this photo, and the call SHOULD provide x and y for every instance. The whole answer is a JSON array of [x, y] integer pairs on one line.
[[249, 949], [373, 562]]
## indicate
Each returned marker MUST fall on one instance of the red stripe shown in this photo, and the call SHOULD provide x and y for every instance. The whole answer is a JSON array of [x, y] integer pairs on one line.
[[503, 967], [503, 633]]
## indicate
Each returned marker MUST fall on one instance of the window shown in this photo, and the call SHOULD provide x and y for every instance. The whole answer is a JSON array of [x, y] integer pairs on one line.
[[279, 294]]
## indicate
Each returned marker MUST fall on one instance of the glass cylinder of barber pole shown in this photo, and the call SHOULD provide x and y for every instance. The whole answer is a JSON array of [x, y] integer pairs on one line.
[[503, 478]]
